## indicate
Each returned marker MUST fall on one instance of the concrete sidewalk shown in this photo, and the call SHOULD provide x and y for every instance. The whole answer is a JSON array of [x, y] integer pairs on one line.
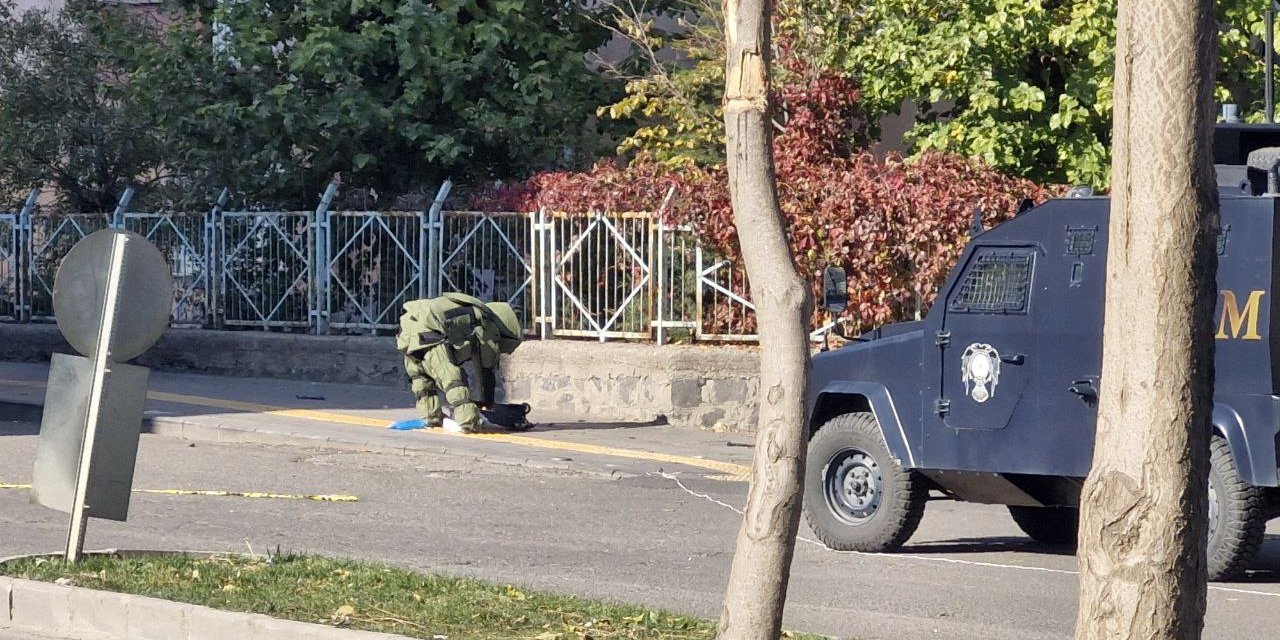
[[343, 416]]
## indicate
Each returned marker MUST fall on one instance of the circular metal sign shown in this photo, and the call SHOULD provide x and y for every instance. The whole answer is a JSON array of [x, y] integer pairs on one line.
[[143, 298]]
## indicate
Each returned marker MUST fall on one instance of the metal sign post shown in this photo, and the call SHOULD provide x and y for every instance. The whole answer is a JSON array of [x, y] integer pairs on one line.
[[101, 360], [112, 299]]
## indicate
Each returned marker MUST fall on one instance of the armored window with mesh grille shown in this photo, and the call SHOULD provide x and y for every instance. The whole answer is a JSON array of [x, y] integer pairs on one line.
[[995, 282]]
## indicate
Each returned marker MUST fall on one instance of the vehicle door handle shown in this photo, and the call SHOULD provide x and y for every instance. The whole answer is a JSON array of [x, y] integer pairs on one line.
[[1085, 389], [1016, 358]]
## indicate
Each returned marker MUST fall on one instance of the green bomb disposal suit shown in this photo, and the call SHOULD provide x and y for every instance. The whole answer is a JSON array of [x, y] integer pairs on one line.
[[438, 336]]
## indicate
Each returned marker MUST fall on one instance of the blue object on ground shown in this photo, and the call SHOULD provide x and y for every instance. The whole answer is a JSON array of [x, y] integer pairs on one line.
[[408, 425]]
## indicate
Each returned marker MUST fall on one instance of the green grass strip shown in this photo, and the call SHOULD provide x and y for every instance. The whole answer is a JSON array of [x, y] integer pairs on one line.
[[366, 596]]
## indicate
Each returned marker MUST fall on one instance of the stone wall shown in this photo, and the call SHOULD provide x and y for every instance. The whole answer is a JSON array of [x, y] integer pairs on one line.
[[701, 386], [709, 387]]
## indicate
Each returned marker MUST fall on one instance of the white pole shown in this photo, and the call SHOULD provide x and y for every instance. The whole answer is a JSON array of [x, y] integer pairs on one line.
[[101, 362]]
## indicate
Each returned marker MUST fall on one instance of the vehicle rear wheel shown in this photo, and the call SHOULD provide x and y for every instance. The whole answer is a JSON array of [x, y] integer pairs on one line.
[[1237, 515], [856, 496], [1048, 525]]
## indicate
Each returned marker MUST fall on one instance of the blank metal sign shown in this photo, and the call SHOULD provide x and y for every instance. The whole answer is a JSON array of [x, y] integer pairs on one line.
[[66, 408]]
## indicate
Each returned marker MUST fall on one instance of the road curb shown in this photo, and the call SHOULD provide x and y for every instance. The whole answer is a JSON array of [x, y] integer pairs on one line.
[[46, 607]]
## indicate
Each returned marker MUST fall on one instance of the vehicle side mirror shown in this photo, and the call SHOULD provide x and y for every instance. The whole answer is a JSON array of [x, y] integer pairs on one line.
[[835, 289]]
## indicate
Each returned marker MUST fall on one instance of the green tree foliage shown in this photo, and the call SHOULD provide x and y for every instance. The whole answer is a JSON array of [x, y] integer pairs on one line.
[[65, 116], [675, 98], [1023, 85], [282, 94]]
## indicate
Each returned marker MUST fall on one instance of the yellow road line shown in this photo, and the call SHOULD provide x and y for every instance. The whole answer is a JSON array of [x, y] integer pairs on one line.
[[727, 470], [254, 407], [339, 497]]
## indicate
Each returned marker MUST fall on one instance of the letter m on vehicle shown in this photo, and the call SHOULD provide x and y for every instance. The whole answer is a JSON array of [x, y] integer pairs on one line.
[[1236, 323]]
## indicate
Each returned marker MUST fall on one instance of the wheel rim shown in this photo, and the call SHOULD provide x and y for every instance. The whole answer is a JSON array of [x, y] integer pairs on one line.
[[1214, 510], [853, 486]]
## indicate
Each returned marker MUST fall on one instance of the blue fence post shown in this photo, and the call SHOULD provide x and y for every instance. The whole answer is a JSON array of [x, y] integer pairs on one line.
[[430, 244], [321, 259], [213, 260], [22, 250], [117, 218]]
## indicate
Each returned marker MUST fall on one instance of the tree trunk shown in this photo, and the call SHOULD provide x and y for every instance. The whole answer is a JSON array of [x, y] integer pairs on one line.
[[757, 588], [1143, 520]]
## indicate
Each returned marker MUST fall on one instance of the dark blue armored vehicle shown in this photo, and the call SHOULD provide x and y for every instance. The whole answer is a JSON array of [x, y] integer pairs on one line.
[[992, 397]]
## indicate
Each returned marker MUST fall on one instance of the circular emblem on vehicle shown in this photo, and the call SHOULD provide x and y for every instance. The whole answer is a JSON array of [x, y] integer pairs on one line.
[[980, 366]]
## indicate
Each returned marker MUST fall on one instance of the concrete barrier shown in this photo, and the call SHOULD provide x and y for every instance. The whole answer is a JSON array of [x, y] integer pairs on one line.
[[700, 386], [79, 612]]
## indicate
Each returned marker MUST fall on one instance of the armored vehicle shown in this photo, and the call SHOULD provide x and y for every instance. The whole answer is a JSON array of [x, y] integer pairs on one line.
[[992, 397]]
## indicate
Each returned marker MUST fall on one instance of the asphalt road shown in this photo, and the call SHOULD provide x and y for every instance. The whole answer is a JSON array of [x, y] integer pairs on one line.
[[663, 541]]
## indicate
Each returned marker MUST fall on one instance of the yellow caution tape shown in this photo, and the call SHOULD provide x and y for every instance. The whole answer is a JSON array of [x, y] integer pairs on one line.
[[226, 494], [250, 494]]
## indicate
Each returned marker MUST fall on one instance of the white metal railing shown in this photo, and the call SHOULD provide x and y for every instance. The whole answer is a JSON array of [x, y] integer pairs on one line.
[[598, 275]]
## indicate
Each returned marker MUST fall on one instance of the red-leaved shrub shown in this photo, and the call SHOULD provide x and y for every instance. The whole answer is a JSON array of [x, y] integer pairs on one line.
[[897, 226]]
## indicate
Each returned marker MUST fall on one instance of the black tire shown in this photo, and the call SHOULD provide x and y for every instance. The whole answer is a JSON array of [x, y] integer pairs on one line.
[[1048, 525], [856, 496], [1237, 516]]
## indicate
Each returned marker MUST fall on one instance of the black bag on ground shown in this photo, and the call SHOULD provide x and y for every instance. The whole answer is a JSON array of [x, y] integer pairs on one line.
[[510, 416]]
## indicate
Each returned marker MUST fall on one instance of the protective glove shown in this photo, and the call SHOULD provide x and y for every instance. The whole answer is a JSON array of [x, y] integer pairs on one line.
[[408, 425]]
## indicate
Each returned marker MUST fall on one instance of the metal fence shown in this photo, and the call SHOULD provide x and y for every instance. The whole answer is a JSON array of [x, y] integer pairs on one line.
[[489, 256], [10, 240], [374, 267], [50, 237], [265, 268], [183, 240], [598, 275]]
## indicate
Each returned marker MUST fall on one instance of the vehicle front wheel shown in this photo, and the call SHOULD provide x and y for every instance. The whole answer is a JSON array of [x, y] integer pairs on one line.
[[1237, 515], [856, 496]]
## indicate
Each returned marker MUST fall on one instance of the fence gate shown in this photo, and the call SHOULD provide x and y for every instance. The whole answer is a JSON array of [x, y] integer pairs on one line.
[[266, 275], [489, 256], [374, 266], [182, 240], [600, 275], [725, 311], [10, 284], [676, 314], [51, 237]]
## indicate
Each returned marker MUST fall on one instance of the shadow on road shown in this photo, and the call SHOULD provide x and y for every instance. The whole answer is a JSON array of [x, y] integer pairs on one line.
[[19, 419], [1265, 569], [593, 426], [988, 545], [19, 428]]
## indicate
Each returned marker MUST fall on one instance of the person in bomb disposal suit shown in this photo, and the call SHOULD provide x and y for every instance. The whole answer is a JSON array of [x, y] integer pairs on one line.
[[438, 336]]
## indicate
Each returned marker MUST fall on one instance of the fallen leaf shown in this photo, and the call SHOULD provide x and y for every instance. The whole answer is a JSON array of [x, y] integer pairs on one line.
[[195, 574], [230, 587]]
